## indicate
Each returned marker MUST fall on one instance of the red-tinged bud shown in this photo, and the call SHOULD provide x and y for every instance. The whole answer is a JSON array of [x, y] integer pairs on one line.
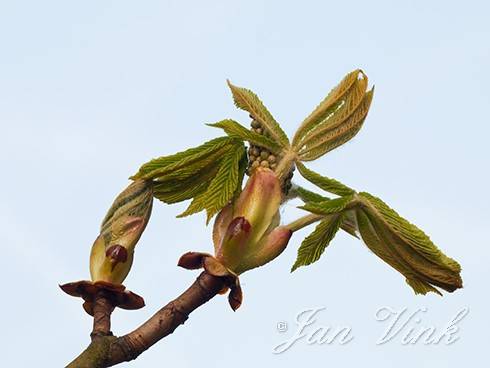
[[117, 253], [236, 242], [221, 225], [270, 247], [259, 202], [242, 229]]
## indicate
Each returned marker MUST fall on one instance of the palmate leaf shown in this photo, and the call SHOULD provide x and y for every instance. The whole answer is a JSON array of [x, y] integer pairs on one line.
[[235, 130], [405, 247], [247, 100], [306, 195], [222, 188], [174, 190], [311, 198], [326, 138], [161, 166], [329, 206], [211, 174], [327, 184], [396, 241], [314, 244], [337, 119], [326, 107]]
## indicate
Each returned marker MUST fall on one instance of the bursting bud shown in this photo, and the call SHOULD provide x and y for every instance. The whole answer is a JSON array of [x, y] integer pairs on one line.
[[112, 252], [246, 234]]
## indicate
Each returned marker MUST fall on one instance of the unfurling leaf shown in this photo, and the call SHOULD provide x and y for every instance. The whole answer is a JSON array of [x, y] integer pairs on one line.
[[211, 174], [306, 195], [336, 120], [311, 198], [405, 247], [248, 101], [327, 184], [396, 241], [327, 106], [111, 256], [329, 206], [160, 168], [174, 190], [314, 244], [235, 130], [330, 138], [223, 186]]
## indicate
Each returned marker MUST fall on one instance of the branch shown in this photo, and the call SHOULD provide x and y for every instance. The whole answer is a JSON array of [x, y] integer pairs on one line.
[[106, 350], [103, 308]]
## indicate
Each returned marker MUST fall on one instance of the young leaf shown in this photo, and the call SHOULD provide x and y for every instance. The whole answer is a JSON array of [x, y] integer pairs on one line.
[[248, 101], [181, 173], [222, 188], [334, 133], [327, 184], [405, 247], [235, 130], [329, 206], [309, 197], [211, 174], [306, 195], [330, 104], [161, 166], [314, 244], [174, 191]]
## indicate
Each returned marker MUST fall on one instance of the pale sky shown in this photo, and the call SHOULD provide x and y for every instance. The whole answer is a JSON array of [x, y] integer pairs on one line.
[[90, 90]]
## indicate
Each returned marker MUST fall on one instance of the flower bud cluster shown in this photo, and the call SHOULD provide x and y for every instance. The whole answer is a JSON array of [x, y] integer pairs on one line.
[[262, 157]]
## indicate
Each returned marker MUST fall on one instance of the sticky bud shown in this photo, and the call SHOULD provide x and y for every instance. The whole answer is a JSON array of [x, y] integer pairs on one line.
[[235, 242], [245, 232], [112, 252]]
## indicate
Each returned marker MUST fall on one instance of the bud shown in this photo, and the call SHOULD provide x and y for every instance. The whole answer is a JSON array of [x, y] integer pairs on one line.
[[112, 252], [245, 232]]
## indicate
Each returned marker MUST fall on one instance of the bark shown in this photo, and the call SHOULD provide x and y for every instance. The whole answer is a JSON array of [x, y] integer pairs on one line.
[[106, 350], [103, 308]]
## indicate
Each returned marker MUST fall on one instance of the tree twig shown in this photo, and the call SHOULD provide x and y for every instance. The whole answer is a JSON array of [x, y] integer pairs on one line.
[[106, 351], [102, 308]]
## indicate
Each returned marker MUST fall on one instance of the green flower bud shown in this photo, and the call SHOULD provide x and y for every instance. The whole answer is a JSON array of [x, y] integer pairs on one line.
[[255, 124], [264, 163], [112, 252]]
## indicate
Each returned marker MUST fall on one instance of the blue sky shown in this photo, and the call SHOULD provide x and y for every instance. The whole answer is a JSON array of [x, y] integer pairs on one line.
[[90, 90]]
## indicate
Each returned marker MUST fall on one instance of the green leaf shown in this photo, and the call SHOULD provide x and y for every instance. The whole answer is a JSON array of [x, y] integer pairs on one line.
[[342, 127], [162, 166], [327, 184], [329, 206], [222, 188], [405, 247], [190, 170], [174, 191], [314, 244], [330, 104], [247, 100], [235, 130], [211, 174], [309, 197], [306, 195]]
